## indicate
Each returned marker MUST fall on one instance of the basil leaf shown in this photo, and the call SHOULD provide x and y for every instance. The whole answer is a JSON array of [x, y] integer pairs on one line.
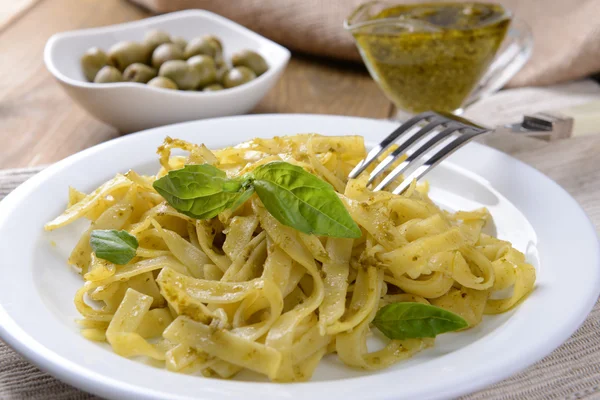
[[303, 201], [406, 320], [201, 191], [192, 181], [118, 247]]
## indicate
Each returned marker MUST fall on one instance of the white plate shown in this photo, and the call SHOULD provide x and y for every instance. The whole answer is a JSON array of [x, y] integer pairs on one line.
[[540, 218], [131, 106]]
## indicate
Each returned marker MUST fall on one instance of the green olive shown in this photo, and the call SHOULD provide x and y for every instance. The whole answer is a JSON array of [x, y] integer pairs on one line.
[[238, 76], [181, 73], [202, 46], [166, 52], [155, 38], [179, 41], [221, 72], [205, 65], [108, 74], [216, 41], [220, 61], [162, 82], [123, 54], [250, 59], [92, 61], [139, 73], [213, 88]]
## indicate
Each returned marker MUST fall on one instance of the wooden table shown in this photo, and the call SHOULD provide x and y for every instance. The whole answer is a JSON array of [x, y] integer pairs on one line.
[[40, 124]]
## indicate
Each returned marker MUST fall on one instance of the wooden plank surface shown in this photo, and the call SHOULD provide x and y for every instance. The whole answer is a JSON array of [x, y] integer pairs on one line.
[[38, 121], [40, 124], [11, 10], [311, 85]]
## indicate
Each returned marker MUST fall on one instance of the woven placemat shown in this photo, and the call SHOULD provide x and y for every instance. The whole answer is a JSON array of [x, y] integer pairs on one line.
[[571, 372]]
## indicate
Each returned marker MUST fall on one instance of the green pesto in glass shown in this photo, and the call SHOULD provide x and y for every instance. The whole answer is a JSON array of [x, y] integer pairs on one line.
[[431, 56]]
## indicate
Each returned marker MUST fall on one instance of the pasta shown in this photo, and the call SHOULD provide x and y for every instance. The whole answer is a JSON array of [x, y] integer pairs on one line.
[[243, 291]]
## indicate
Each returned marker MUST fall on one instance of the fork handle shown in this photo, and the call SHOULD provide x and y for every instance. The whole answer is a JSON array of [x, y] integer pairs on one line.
[[544, 125]]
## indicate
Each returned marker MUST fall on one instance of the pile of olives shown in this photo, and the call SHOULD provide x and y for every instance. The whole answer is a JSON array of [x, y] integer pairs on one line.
[[173, 63]]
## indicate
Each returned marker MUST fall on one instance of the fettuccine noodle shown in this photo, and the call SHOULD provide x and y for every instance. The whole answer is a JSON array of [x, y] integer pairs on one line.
[[243, 291]]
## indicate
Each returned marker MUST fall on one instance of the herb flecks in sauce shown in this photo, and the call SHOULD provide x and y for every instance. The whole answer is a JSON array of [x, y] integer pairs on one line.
[[431, 56]]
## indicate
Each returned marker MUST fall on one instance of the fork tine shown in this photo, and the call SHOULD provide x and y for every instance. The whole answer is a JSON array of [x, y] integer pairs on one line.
[[440, 155], [388, 141], [406, 145], [453, 127]]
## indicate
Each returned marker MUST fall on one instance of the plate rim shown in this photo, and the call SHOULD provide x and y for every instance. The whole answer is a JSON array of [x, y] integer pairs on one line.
[[76, 375]]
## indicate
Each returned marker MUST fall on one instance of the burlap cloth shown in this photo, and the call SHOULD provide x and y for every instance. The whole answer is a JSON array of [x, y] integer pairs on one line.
[[571, 372], [566, 32]]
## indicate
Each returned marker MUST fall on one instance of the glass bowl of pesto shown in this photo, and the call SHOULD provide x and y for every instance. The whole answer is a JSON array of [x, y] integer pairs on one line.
[[439, 56]]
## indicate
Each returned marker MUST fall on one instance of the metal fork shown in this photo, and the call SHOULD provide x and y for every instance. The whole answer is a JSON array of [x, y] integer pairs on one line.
[[436, 127]]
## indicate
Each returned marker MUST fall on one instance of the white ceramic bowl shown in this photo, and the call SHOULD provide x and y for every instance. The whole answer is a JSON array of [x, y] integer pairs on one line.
[[132, 106]]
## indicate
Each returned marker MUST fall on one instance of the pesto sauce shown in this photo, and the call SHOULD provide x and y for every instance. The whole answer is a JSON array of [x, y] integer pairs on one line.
[[437, 65]]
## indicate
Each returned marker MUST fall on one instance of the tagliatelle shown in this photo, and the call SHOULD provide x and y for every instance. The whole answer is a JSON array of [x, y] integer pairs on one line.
[[242, 291]]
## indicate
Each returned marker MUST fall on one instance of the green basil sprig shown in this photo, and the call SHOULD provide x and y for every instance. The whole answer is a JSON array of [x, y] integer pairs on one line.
[[407, 320], [202, 191], [301, 200], [293, 196], [118, 247]]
